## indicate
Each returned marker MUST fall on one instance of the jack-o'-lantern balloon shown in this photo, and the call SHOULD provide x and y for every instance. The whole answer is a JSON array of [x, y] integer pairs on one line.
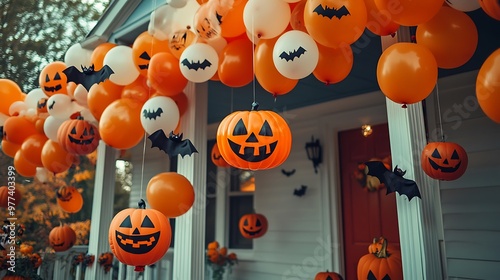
[[52, 79], [444, 160], [139, 237], [217, 158], [78, 136], [209, 17], [180, 40], [254, 140], [41, 106], [69, 199], [143, 49], [253, 225], [62, 238]]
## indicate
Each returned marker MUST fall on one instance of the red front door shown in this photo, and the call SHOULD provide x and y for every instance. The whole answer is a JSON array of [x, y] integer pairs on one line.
[[366, 214]]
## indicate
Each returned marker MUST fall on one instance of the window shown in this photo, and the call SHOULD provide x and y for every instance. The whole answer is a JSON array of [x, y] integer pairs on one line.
[[240, 202]]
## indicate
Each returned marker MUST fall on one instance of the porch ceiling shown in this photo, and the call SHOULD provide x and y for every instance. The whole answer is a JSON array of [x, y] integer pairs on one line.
[[309, 91]]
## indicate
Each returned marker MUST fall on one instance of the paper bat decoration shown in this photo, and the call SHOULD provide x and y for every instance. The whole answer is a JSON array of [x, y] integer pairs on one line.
[[196, 65], [293, 54], [331, 12], [301, 191], [288, 173], [152, 115], [88, 77], [172, 145], [393, 180]]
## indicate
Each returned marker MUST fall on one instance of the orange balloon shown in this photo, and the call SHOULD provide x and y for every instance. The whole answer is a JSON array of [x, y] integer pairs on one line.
[[138, 90], [54, 158], [215, 77], [334, 65], [444, 36], [379, 22], [17, 128], [165, 75], [98, 54], [235, 63], [143, 49], [9, 148], [24, 167], [332, 31], [39, 123], [266, 73], [69, 199], [407, 73], [180, 40], [170, 193], [488, 86], [491, 8], [120, 124], [297, 16], [10, 92], [52, 79], [410, 12], [31, 149], [101, 95], [232, 25], [182, 102]]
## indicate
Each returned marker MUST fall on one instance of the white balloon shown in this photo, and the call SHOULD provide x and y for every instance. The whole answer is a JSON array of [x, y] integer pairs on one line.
[[78, 56], [120, 60], [3, 118], [80, 95], [295, 54], [464, 5], [31, 113], [76, 108], [160, 112], [266, 18], [292, 1], [33, 97], [50, 127], [218, 44], [167, 19], [87, 115], [199, 62], [17, 108], [42, 174], [177, 3], [59, 106]]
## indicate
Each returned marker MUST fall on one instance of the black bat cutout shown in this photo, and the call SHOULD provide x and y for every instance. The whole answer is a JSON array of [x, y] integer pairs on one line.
[[301, 191], [88, 77], [331, 12], [172, 145], [293, 54], [288, 173], [51, 106], [196, 65], [152, 115], [372, 277], [393, 180]]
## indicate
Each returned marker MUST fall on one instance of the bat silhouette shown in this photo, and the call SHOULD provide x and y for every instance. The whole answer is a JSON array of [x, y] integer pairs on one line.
[[172, 145], [51, 106], [88, 77], [152, 115], [301, 191], [393, 180], [196, 65], [293, 54], [331, 12], [288, 173]]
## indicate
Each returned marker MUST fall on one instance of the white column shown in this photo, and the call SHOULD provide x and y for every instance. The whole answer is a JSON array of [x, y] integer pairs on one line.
[[189, 256], [418, 222], [102, 209]]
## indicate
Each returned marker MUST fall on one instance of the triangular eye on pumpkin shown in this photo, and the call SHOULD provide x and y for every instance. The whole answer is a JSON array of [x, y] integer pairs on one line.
[[444, 160], [143, 48], [253, 225]]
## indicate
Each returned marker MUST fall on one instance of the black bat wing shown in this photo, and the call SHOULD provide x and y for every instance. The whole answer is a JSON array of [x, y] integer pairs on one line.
[[300, 51], [288, 173], [99, 76], [320, 10], [301, 191], [182, 148], [377, 169], [285, 55], [204, 64], [403, 186], [343, 11], [159, 140], [74, 75], [186, 63]]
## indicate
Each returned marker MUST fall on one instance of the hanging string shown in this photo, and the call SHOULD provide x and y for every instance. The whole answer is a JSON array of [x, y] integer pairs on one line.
[[142, 164], [439, 112], [232, 96], [253, 60]]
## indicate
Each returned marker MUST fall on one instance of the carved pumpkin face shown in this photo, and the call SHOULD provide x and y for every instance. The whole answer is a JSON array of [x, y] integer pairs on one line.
[[139, 237], [254, 139], [217, 158], [62, 238], [41, 106], [253, 225], [69, 199], [144, 47], [180, 41], [382, 265], [52, 80], [328, 276], [78, 136], [444, 160]]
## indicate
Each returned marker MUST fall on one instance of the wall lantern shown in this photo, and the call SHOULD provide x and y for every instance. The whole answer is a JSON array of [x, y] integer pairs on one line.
[[314, 152], [366, 130]]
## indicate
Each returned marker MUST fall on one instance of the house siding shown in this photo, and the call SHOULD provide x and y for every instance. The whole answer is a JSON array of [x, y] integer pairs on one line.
[[470, 207]]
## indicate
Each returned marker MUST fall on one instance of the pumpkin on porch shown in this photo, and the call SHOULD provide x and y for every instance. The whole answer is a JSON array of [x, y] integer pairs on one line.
[[78, 136], [14, 195], [139, 236], [381, 266], [254, 140], [13, 277], [376, 246], [253, 225], [327, 275], [444, 160], [62, 238]]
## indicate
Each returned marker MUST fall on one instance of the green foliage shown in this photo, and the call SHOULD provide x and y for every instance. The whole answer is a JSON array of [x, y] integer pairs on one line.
[[35, 33]]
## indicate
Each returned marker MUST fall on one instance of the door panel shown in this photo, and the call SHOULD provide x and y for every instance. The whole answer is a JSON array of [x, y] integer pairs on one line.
[[366, 214]]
